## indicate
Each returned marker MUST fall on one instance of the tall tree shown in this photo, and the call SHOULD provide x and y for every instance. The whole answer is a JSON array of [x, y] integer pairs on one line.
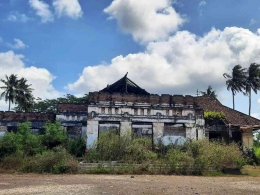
[[252, 81], [209, 92], [10, 86], [24, 95], [236, 81]]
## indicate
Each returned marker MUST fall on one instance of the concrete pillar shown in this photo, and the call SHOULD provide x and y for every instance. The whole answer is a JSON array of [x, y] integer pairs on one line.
[[125, 128], [201, 133], [158, 129], [191, 133], [92, 132]]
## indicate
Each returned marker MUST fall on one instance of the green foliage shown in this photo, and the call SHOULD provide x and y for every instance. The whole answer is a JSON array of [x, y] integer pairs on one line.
[[8, 145], [54, 136], [212, 115], [22, 140], [140, 150], [50, 105], [110, 145], [256, 151], [77, 147], [209, 92], [17, 91]]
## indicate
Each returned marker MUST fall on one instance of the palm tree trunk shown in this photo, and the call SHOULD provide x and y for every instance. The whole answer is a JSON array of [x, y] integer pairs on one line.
[[233, 100], [250, 102], [9, 105]]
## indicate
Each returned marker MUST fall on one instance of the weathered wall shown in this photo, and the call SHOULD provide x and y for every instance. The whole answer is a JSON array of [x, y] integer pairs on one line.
[[125, 128], [153, 99], [92, 132], [158, 129], [191, 133], [247, 139], [3, 128]]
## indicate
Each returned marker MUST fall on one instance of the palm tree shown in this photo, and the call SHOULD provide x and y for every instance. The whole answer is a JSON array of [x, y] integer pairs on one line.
[[209, 92], [24, 95], [236, 82], [17, 91], [252, 81], [10, 85]]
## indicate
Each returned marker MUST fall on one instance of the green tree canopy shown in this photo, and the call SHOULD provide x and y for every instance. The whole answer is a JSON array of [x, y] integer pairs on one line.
[[209, 92], [50, 105], [252, 81], [236, 81], [17, 91]]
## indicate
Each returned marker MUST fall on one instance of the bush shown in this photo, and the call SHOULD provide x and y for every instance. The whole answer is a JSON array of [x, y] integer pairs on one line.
[[8, 145], [56, 161], [140, 150], [22, 140], [202, 156], [256, 151], [54, 135], [77, 147], [111, 146], [12, 162]]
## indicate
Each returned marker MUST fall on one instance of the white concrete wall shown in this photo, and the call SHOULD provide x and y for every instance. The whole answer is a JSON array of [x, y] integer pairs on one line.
[[92, 132]]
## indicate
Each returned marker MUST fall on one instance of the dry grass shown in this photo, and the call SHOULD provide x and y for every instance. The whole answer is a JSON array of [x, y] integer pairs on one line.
[[249, 170]]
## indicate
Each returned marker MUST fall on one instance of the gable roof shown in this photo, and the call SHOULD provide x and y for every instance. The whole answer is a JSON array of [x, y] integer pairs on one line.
[[233, 117], [124, 85]]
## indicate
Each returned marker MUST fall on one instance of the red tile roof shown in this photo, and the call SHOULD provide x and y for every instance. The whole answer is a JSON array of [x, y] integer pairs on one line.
[[233, 117]]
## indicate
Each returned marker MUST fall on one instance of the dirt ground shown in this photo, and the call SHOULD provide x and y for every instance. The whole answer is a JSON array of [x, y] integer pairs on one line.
[[124, 184]]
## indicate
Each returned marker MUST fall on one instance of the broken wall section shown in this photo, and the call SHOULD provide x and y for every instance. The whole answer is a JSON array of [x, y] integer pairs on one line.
[[74, 118]]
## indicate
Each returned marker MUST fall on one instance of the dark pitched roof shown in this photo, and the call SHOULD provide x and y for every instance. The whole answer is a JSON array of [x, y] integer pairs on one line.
[[125, 85], [72, 108], [13, 116], [233, 117]]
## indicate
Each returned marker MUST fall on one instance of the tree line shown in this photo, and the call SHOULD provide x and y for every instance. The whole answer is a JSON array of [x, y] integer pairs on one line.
[[19, 92]]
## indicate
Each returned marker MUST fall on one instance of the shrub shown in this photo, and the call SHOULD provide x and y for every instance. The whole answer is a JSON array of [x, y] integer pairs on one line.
[[77, 147], [256, 151], [56, 161], [111, 146], [12, 162], [22, 140], [140, 150], [54, 136], [8, 145], [202, 156]]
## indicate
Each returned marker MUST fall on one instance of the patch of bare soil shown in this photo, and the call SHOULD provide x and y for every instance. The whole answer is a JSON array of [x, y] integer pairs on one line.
[[125, 184]]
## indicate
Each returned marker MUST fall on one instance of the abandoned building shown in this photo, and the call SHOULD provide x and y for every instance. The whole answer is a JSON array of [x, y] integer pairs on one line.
[[128, 109], [9, 120], [236, 126]]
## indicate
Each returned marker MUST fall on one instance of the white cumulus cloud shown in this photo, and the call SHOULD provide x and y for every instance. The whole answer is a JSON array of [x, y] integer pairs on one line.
[[202, 3], [145, 20], [180, 65], [70, 8], [19, 44], [17, 17], [40, 78], [42, 10]]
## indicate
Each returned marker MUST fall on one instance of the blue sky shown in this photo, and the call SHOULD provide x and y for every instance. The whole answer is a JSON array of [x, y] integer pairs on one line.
[[170, 47]]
